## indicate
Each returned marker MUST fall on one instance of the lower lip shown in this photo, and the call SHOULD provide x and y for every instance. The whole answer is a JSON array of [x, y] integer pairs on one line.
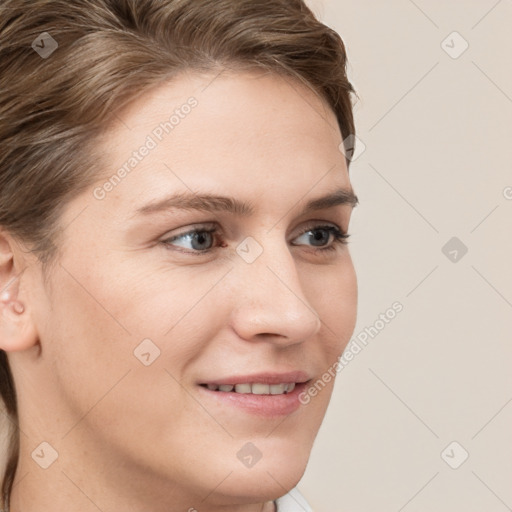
[[262, 405]]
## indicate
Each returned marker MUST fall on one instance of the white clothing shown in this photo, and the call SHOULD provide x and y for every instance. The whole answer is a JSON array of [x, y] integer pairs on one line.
[[292, 502]]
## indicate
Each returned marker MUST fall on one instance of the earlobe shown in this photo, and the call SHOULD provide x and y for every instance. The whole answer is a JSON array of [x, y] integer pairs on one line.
[[17, 331]]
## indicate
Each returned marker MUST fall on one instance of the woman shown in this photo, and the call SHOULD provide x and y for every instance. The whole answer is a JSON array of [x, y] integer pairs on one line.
[[176, 286]]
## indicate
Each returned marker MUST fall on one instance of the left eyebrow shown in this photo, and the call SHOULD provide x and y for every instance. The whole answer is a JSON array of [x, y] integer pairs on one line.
[[341, 196], [215, 203]]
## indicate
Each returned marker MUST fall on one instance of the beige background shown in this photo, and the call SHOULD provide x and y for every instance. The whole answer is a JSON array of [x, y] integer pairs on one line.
[[437, 165], [438, 158]]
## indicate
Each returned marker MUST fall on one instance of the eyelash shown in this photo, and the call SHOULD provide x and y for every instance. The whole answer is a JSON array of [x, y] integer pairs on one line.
[[340, 238]]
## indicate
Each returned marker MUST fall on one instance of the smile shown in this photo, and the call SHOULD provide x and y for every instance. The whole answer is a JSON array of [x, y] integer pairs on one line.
[[253, 388]]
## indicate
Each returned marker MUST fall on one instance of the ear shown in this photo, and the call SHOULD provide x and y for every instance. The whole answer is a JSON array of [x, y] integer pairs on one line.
[[17, 330]]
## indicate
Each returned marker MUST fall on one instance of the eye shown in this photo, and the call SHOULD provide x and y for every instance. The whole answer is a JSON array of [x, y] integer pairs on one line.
[[198, 240], [319, 236], [201, 240]]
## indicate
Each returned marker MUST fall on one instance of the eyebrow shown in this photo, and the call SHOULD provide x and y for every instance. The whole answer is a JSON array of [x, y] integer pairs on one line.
[[214, 203]]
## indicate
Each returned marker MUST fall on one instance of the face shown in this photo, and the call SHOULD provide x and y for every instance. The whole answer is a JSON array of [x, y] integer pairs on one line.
[[160, 296]]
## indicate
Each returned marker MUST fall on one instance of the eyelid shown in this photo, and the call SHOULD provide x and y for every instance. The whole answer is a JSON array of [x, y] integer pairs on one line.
[[318, 224], [193, 228], [213, 227]]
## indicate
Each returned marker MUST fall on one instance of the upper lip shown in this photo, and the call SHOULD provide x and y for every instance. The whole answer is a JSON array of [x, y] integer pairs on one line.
[[262, 378]]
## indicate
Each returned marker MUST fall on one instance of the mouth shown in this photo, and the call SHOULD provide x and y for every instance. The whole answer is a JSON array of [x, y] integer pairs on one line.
[[264, 394], [256, 388]]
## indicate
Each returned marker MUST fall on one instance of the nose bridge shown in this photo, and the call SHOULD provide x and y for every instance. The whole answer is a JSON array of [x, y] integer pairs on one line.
[[271, 300]]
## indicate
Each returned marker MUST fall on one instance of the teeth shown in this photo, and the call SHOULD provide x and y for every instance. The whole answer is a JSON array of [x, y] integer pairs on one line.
[[243, 388], [260, 389], [278, 389], [254, 388]]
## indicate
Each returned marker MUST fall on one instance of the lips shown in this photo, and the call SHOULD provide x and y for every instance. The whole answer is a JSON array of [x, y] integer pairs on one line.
[[266, 394], [254, 388], [297, 377]]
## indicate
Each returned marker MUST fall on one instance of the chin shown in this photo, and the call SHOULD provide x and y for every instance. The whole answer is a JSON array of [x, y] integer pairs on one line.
[[276, 466], [261, 483]]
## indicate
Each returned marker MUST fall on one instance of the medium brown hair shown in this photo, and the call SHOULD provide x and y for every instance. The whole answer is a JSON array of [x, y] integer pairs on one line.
[[53, 107]]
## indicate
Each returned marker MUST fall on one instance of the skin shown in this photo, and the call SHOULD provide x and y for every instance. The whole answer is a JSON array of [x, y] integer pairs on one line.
[[133, 437]]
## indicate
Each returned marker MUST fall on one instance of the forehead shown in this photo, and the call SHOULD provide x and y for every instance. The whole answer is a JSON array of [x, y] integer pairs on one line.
[[247, 131], [224, 107]]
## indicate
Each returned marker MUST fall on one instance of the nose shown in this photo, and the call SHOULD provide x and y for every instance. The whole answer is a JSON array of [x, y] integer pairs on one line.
[[269, 299]]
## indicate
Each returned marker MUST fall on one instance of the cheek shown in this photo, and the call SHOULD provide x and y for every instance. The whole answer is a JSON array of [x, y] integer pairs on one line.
[[334, 296], [84, 332], [152, 297], [344, 305], [88, 348], [94, 375], [103, 324]]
